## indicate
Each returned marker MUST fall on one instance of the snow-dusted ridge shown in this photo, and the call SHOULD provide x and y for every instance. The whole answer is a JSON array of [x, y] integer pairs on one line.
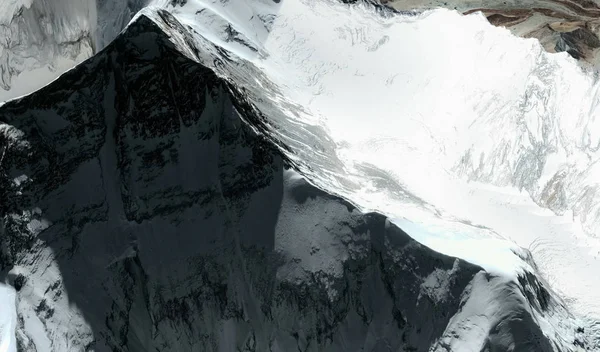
[[164, 218]]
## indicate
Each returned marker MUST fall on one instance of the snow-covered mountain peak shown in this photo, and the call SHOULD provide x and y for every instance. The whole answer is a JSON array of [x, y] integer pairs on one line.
[[146, 212], [183, 189]]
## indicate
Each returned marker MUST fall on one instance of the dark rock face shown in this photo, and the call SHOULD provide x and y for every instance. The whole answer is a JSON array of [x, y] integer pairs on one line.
[[142, 214], [578, 42]]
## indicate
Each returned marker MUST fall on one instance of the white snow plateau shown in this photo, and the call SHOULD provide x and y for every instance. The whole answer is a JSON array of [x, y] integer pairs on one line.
[[255, 175]]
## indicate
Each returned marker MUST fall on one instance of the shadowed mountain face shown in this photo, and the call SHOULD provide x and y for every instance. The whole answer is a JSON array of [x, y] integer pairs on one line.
[[140, 213], [560, 25]]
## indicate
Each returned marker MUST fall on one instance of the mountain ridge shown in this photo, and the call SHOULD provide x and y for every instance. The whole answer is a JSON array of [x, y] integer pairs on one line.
[[114, 169]]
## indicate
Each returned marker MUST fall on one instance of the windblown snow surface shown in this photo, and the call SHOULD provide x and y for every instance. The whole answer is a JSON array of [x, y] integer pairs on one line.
[[476, 143]]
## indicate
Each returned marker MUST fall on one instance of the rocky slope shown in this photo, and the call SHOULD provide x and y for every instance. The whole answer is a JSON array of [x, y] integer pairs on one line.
[[571, 26], [145, 211]]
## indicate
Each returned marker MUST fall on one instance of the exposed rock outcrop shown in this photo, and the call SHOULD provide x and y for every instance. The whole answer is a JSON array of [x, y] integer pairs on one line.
[[560, 25]]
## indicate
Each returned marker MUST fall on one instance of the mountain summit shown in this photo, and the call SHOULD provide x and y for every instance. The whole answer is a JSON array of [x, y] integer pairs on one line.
[[145, 211]]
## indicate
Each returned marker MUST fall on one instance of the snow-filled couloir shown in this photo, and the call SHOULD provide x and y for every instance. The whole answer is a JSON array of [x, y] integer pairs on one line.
[[206, 182]]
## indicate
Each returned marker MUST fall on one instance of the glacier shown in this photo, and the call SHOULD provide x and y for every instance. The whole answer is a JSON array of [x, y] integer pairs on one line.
[[479, 145]]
